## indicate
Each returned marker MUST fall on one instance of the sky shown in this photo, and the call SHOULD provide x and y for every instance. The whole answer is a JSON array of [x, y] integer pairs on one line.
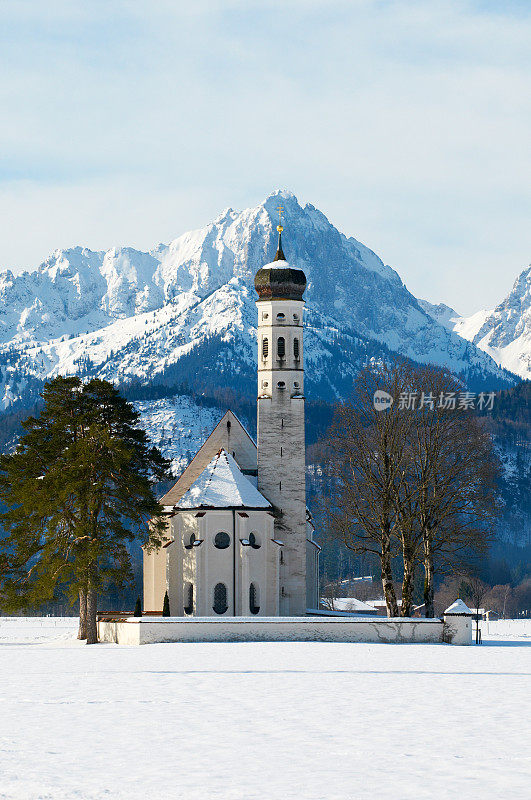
[[128, 122]]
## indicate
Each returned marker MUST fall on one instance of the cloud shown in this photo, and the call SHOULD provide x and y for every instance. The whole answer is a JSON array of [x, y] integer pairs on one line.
[[406, 122]]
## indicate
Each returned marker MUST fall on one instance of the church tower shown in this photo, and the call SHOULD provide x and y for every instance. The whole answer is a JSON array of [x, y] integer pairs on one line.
[[281, 443]]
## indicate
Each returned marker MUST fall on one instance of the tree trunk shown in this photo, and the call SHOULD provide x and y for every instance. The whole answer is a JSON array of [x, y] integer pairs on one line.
[[82, 632], [92, 608], [387, 578], [429, 574], [407, 585]]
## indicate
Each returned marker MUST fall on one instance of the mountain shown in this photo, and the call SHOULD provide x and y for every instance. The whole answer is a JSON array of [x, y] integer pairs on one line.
[[503, 332], [185, 312]]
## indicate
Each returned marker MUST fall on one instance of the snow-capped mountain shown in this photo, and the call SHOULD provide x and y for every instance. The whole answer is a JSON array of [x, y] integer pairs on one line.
[[185, 312], [503, 332]]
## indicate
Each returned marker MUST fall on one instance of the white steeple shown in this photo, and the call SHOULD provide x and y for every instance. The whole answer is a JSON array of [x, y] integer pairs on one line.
[[281, 441]]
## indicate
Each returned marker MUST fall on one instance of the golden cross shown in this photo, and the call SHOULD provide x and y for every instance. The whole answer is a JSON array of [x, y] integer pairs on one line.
[[279, 226]]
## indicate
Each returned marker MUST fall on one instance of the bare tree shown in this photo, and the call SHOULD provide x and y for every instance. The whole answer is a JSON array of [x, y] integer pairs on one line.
[[367, 453], [411, 476], [501, 599], [475, 591], [452, 494]]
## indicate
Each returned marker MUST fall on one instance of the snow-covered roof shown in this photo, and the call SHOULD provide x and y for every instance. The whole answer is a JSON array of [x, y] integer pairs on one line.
[[350, 604], [458, 608], [222, 485]]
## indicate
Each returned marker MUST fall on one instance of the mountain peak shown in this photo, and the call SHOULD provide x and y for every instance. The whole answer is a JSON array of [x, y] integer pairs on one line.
[[504, 332], [131, 314]]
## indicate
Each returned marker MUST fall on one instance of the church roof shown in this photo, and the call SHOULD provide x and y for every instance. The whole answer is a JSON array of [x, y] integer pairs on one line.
[[228, 434], [222, 485]]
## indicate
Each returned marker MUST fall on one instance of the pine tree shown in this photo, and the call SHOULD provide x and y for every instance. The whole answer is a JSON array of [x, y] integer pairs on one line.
[[138, 608], [166, 606], [78, 489]]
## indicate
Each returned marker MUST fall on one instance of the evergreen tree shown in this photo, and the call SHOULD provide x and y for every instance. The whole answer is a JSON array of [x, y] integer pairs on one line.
[[138, 608], [78, 489], [166, 606]]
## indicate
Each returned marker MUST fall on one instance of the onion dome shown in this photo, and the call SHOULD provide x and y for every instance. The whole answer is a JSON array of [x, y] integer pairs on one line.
[[279, 281]]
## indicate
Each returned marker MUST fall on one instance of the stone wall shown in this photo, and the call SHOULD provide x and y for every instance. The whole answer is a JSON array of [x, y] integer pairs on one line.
[[296, 629]]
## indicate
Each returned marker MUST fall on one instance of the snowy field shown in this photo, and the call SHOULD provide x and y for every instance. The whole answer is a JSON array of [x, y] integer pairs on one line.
[[274, 721]]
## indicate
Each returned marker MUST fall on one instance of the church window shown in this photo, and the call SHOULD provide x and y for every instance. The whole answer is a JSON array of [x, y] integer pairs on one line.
[[295, 318], [265, 348], [254, 608], [296, 384], [222, 540], [191, 540], [281, 347], [188, 597], [281, 557], [281, 317], [265, 315], [265, 384], [253, 541], [220, 598], [296, 350], [281, 385]]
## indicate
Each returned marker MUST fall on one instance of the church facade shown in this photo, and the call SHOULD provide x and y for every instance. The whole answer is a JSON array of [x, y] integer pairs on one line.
[[239, 536]]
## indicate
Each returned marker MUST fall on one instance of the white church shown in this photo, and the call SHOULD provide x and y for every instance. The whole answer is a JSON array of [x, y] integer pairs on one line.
[[240, 539]]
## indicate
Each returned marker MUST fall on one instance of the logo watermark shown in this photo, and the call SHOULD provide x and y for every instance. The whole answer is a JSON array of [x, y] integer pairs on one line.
[[416, 401], [382, 400]]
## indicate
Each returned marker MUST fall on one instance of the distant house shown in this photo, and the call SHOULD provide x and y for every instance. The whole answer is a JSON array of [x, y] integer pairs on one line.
[[347, 604], [380, 606]]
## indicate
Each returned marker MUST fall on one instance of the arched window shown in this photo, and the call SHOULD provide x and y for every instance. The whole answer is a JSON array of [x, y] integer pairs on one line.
[[220, 598], [281, 347], [265, 347], [188, 598], [190, 543], [253, 541], [281, 385], [296, 350], [254, 608], [281, 317], [222, 540]]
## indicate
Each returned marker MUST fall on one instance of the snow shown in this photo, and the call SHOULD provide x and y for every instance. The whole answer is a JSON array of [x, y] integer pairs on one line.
[[351, 604], [504, 332], [222, 485], [125, 314], [281, 721], [178, 426], [458, 607]]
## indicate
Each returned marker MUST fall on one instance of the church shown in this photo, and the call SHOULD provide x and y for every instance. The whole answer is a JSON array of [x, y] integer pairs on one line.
[[240, 539]]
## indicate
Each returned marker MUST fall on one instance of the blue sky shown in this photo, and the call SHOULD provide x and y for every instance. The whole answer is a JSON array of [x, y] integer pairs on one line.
[[407, 123]]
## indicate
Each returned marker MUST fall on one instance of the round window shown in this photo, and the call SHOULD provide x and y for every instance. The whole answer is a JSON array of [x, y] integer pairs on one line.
[[222, 540]]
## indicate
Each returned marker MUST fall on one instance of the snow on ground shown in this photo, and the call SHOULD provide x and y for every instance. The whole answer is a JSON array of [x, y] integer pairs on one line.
[[311, 721]]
